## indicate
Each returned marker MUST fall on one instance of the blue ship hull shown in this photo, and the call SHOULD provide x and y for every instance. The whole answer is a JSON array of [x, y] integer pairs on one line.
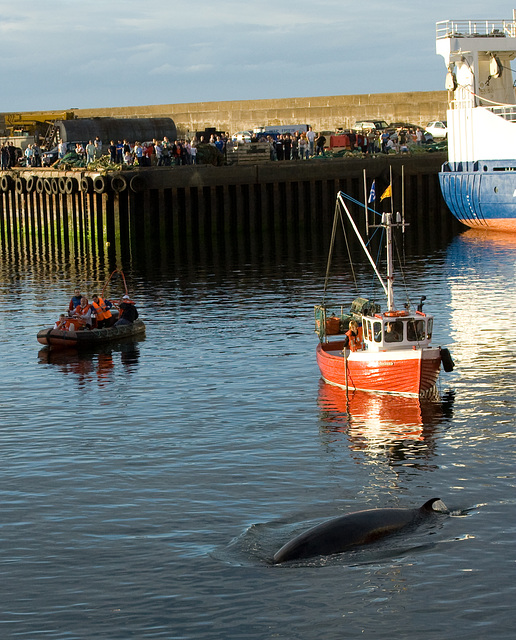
[[481, 194]]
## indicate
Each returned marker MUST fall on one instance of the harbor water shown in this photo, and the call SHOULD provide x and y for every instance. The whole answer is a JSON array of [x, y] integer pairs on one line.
[[146, 486]]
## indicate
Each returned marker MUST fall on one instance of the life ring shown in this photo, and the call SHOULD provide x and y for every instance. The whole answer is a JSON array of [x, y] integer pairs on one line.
[[396, 314]]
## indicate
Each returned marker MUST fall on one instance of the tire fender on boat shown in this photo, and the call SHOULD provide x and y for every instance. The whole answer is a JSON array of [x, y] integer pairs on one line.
[[447, 360]]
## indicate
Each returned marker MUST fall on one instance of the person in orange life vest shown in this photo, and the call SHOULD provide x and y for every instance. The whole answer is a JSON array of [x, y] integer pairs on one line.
[[75, 301], [128, 312], [83, 311], [102, 312], [352, 338], [61, 323]]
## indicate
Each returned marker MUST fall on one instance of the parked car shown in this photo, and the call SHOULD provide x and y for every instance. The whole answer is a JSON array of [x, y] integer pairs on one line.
[[49, 157], [242, 136], [365, 125], [437, 128], [403, 125]]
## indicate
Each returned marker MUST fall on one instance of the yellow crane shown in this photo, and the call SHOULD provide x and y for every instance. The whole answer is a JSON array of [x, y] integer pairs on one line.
[[35, 123]]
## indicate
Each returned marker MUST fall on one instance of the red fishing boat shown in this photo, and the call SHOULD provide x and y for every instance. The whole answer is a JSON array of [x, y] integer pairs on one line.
[[389, 351]]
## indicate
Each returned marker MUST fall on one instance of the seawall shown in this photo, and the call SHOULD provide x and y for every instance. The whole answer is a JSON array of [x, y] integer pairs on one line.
[[324, 113]]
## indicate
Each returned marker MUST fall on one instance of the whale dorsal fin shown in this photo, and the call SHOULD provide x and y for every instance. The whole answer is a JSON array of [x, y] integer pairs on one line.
[[435, 504]]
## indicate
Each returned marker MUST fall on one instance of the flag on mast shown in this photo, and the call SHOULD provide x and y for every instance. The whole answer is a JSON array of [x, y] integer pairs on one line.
[[372, 193], [387, 193]]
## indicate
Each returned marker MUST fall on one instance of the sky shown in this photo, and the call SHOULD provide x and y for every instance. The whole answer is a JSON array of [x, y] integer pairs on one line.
[[64, 54]]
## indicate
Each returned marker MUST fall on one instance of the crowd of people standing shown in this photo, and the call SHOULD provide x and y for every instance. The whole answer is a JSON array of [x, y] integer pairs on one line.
[[299, 145]]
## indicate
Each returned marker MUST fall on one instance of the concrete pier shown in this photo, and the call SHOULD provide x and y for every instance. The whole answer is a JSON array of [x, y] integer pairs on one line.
[[177, 209]]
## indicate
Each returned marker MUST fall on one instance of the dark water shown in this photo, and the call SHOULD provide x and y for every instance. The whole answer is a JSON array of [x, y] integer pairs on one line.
[[144, 488]]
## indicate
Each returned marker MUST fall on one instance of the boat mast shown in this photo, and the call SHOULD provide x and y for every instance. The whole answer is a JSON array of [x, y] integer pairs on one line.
[[387, 224]]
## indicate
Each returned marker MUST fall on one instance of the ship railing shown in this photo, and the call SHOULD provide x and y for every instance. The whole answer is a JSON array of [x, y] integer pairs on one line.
[[507, 113], [475, 29], [468, 101]]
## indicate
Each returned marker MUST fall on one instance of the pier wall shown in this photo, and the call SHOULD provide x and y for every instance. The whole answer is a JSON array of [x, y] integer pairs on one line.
[[324, 113], [187, 210]]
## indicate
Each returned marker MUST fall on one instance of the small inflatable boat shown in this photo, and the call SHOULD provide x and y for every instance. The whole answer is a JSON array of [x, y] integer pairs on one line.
[[70, 337]]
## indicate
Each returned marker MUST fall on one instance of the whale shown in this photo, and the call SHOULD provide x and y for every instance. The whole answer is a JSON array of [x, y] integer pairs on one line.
[[353, 530]]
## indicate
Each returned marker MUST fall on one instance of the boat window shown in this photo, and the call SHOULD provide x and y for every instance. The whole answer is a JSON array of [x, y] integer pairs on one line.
[[429, 328], [368, 334], [394, 331], [415, 330], [377, 331]]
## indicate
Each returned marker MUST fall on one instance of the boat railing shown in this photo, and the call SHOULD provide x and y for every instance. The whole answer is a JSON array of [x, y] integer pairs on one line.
[[505, 111], [475, 29]]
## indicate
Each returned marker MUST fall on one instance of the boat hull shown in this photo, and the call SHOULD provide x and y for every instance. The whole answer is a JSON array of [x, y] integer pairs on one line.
[[482, 195], [89, 338], [408, 372]]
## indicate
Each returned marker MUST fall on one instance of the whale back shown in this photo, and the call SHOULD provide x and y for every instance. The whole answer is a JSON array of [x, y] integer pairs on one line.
[[350, 530]]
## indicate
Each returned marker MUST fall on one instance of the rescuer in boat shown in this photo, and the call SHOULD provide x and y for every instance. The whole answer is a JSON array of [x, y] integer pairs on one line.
[[353, 337], [128, 312], [100, 308], [61, 323], [75, 301], [83, 312]]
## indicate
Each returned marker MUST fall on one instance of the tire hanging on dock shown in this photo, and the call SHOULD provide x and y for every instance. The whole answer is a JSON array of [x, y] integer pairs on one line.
[[118, 184], [62, 185], [5, 183], [86, 184], [40, 185], [47, 184], [100, 184], [71, 186], [31, 183], [19, 185], [138, 184]]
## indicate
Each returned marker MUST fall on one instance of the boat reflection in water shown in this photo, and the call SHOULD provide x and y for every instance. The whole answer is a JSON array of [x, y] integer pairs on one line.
[[95, 366], [403, 428]]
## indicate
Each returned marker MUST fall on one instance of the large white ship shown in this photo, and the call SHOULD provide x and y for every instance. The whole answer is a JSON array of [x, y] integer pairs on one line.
[[479, 180]]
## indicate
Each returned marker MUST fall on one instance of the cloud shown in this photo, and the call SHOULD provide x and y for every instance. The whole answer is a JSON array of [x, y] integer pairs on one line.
[[107, 53]]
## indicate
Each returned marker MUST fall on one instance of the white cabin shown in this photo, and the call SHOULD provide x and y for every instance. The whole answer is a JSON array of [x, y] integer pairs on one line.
[[481, 117]]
